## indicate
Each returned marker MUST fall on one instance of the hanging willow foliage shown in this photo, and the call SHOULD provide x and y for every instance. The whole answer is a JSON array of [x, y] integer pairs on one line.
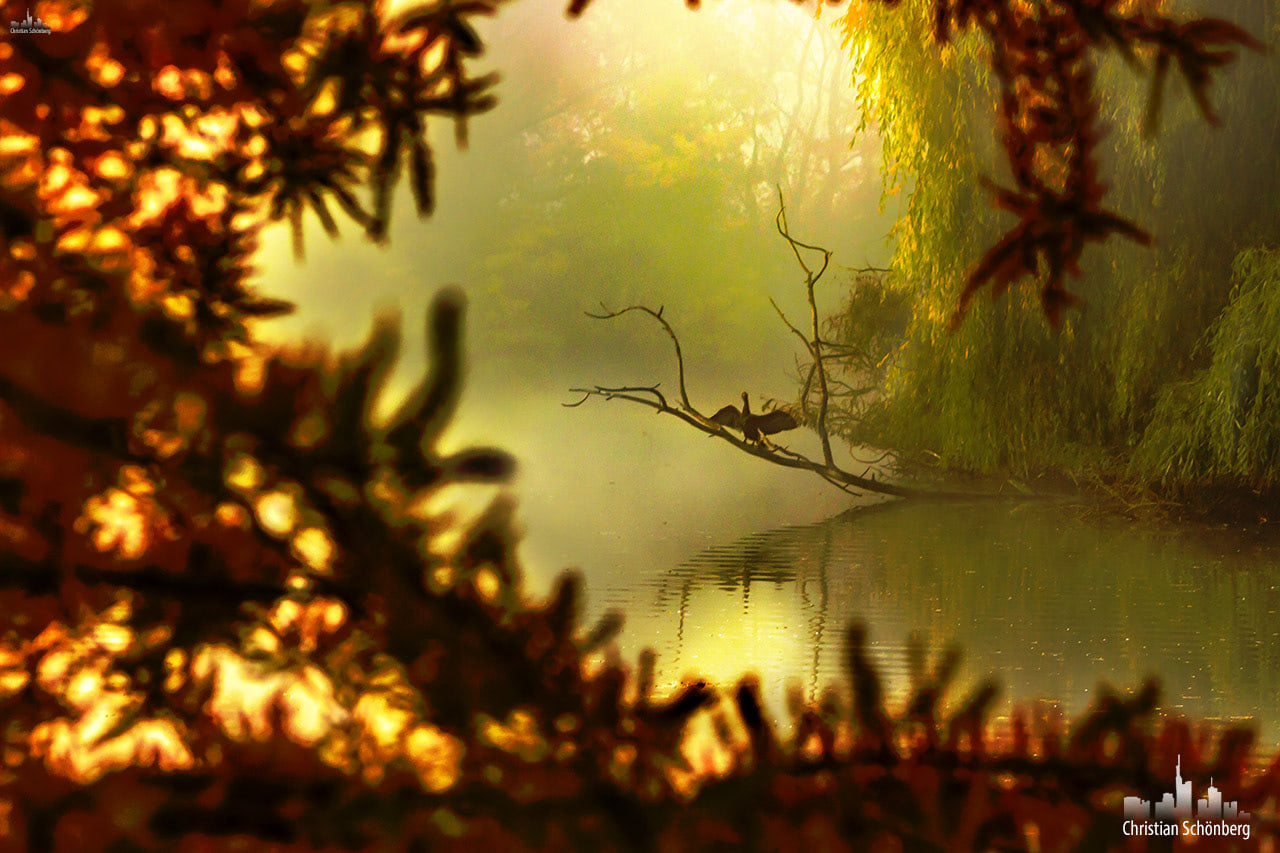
[[1042, 55]]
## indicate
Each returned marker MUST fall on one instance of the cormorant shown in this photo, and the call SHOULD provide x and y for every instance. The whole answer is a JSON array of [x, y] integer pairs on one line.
[[753, 427]]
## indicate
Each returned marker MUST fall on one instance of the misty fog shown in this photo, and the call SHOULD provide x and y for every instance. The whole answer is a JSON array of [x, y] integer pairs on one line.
[[635, 157], [594, 181]]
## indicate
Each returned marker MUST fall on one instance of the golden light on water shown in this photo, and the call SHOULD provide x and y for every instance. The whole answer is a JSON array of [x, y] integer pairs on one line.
[[722, 640]]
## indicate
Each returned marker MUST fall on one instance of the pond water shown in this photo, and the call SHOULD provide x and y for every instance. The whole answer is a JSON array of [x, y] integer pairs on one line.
[[724, 565], [1049, 601]]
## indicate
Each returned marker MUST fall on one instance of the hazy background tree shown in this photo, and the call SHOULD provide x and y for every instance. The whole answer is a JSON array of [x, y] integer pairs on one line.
[[603, 177], [637, 153]]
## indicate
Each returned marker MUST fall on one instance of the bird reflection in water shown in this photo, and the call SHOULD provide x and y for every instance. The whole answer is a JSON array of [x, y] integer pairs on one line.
[[780, 559]]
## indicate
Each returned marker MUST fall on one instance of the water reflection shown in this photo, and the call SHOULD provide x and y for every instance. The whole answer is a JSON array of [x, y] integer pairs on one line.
[[1049, 600]]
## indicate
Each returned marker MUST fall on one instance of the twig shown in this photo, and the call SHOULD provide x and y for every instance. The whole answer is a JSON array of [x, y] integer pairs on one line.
[[876, 461], [814, 345], [623, 393], [657, 315], [762, 447], [799, 334]]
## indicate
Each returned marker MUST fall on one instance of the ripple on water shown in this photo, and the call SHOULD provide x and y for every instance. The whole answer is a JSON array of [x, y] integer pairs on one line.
[[1050, 601]]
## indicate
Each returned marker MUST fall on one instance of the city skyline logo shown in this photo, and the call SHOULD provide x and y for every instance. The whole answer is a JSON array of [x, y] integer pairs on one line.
[[1179, 813], [29, 26]]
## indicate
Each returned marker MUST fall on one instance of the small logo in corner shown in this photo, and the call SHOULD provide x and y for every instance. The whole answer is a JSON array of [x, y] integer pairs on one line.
[[1179, 814], [29, 26]]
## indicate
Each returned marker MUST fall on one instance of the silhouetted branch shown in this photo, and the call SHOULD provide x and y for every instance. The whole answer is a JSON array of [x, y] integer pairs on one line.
[[763, 448], [623, 393], [766, 450], [814, 345], [657, 315], [799, 334], [755, 441]]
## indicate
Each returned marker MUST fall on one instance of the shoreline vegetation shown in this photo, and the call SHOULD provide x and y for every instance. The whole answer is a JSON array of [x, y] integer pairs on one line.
[[1159, 393], [1206, 450]]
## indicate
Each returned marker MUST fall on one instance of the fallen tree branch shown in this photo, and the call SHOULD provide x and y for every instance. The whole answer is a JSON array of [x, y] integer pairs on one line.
[[763, 449], [754, 429]]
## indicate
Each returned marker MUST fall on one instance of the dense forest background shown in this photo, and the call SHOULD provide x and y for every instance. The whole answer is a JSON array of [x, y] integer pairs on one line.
[[1164, 379]]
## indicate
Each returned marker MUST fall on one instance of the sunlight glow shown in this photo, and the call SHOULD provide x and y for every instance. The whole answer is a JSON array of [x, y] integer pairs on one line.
[[243, 473], [314, 548], [104, 71], [74, 748], [13, 671], [246, 693], [61, 17], [168, 82], [119, 524], [436, 756], [277, 513]]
